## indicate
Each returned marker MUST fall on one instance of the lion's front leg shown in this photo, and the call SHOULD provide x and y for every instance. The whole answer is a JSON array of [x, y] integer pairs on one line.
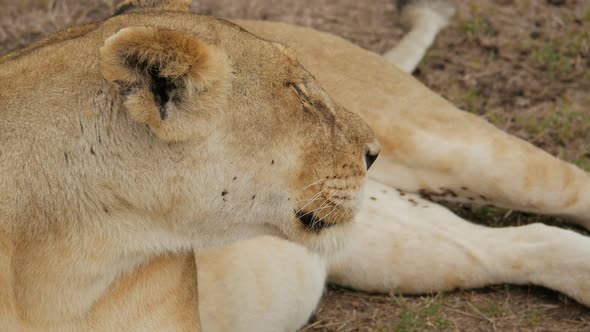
[[403, 243], [262, 284]]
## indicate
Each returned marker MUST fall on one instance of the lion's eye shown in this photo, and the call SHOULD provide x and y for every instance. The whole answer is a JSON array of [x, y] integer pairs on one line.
[[301, 92], [298, 90]]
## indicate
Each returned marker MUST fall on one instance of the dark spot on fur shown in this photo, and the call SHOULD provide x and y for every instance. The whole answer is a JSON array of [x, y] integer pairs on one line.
[[452, 193], [92, 152], [444, 192], [341, 197], [373, 198], [483, 197], [413, 202], [235, 178], [224, 193], [335, 188], [464, 188], [66, 157], [425, 194], [81, 128], [253, 197], [272, 162]]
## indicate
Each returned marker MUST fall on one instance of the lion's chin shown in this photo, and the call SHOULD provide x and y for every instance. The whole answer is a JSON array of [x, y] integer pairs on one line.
[[326, 241], [311, 222]]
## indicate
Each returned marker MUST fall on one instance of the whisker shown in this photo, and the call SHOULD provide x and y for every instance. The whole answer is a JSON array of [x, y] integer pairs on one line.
[[309, 185], [323, 206], [329, 213], [335, 208], [311, 200], [319, 220]]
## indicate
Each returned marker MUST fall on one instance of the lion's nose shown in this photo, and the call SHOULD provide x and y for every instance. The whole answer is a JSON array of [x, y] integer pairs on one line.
[[371, 154]]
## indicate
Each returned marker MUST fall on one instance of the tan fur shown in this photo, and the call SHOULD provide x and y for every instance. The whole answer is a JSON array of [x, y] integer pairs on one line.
[[262, 284], [145, 135], [101, 208], [424, 19]]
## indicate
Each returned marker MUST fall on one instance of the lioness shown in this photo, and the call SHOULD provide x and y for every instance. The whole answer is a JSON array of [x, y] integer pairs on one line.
[[128, 143], [146, 135]]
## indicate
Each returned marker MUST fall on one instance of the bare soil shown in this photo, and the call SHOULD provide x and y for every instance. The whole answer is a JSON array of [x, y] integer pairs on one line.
[[522, 64]]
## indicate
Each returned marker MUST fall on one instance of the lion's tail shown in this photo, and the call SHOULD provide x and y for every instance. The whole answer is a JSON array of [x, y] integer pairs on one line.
[[424, 19]]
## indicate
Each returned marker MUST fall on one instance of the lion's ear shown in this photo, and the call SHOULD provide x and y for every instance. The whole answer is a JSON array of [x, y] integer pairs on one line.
[[132, 5], [167, 78]]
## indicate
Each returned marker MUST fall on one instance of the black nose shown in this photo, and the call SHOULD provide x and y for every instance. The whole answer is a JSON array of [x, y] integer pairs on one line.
[[370, 158]]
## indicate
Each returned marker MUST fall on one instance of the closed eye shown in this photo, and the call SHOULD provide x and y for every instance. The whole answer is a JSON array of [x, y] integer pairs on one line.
[[299, 89]]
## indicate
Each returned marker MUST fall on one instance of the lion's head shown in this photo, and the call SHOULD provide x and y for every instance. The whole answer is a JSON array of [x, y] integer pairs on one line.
[[256, 142], [182, 124]]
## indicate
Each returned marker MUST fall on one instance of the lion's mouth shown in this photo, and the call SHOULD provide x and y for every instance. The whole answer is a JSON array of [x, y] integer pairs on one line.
[[311, 221]]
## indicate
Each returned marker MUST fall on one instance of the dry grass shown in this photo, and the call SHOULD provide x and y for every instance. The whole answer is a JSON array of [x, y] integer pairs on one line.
[[24, 21], [522, 64]]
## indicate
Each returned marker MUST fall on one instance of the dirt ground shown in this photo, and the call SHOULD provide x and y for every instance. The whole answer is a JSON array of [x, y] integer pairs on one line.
[[522, 64]]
